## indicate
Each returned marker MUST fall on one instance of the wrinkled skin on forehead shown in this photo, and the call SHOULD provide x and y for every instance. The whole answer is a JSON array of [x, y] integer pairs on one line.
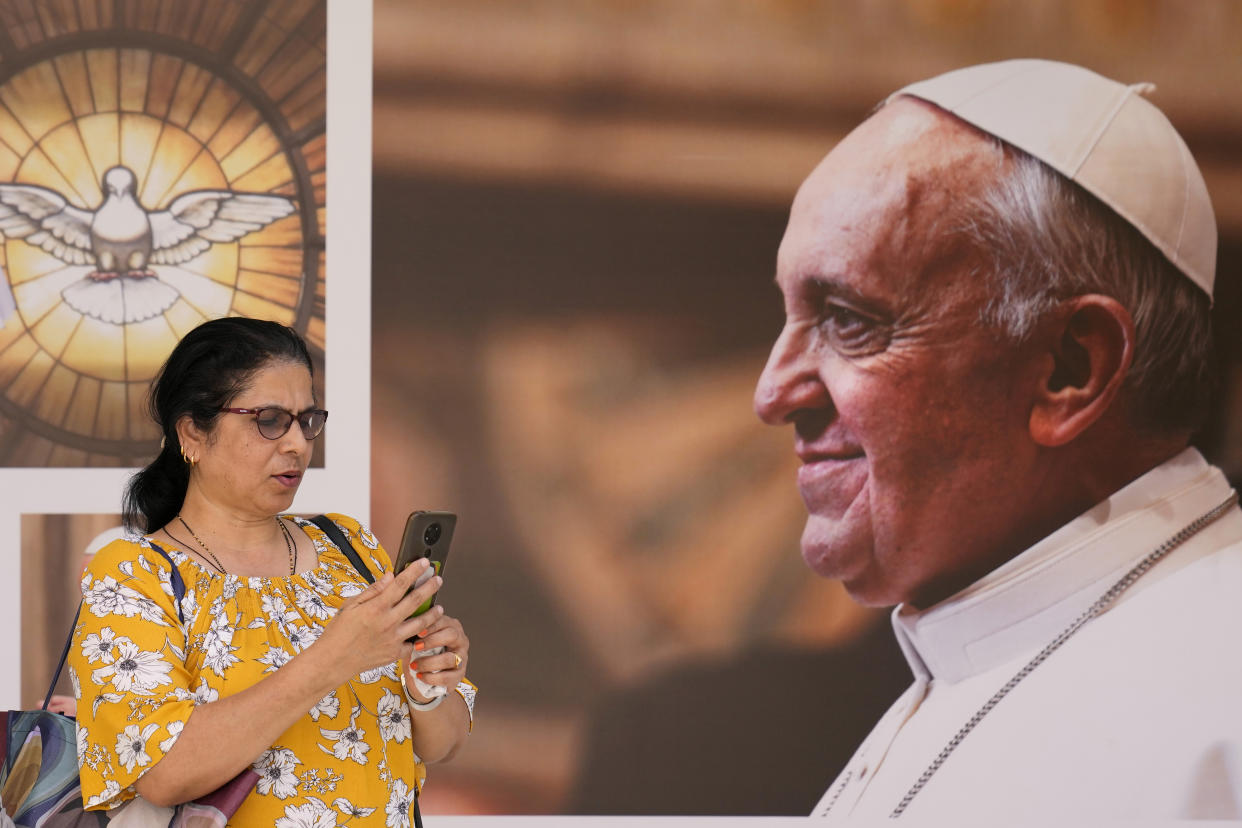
[[910, 417]]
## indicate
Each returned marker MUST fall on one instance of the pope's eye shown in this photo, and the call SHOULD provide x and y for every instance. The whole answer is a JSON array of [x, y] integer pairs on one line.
[[845, 321], [845, 324], [852, 332]]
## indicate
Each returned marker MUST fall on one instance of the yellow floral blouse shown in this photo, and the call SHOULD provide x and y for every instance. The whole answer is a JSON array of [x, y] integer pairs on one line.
[[138, 673]]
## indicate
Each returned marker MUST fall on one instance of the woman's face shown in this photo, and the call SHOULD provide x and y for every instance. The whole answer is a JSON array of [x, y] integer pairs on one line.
[[241, 471]]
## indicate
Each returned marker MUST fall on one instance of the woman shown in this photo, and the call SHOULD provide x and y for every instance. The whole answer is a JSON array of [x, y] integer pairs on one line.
[[286, 660]]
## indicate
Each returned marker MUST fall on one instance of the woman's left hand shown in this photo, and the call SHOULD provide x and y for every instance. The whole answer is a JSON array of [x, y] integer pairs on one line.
[[438, 733], [446, 668]]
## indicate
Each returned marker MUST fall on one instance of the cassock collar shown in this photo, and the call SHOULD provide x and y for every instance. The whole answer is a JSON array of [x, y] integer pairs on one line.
[[1020, 606]]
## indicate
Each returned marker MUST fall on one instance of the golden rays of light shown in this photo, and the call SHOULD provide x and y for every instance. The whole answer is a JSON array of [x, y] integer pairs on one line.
[[64, 122]]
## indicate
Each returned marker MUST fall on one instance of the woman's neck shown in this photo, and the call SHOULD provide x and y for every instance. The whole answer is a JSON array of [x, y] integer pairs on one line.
[[240, 543]]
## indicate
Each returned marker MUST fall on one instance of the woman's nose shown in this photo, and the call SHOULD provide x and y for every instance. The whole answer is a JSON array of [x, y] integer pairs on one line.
[[294, 441]]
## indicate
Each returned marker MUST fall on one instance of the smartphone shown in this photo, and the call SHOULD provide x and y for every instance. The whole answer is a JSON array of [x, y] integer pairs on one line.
[[427, 535]]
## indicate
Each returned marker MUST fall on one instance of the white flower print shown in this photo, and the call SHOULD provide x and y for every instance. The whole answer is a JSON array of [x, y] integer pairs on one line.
[[349, 809], [350, 590], [203, 694], [76, 684], [373, 675], [347, 743], [276, 610], [394, 719], [368, 540], [467, 692], [302, 636], [220, 657], [174, 729], [111, 789], [134, 671], [328, 706], [218, 642], [165, 579], [219, 612], [321, 582], [231, 584], [314, 814], [275, 658], [99, 647], [397, 810], [320, 546], [83, 743], [177, 652], [110, 698], [189, 604], [275, 770], [131, 745], [108, 597], [311, 603], [104, 597]]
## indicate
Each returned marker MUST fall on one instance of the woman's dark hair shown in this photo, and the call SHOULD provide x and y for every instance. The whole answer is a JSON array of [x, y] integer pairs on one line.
[[207, 369]]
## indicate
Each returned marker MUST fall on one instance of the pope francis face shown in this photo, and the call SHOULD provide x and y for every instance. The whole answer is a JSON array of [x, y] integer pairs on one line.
[[906, 410]]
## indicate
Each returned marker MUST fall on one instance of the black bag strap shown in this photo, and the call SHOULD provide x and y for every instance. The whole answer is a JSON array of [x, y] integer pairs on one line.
[[178, 586], [178, 583], [335, 535], [64, 656]]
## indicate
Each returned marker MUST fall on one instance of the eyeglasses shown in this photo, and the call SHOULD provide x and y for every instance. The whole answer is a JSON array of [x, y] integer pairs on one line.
[[274, 423]]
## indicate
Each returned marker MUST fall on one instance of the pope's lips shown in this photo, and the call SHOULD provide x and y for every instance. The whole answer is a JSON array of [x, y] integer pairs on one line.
[[825, 474], [836, 454]]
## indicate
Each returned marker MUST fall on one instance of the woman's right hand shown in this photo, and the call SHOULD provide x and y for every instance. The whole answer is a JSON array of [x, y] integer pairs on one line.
[[370, 628]]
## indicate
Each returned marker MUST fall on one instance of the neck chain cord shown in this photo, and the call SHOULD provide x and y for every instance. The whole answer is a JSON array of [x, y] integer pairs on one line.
[[1102, 603], [284, 530], [293, 554]]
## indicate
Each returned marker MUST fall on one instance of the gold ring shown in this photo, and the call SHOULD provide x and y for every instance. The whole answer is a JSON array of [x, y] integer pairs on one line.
[[458, 664]]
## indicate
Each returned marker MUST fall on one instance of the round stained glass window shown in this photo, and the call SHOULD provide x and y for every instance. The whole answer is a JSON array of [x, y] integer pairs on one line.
[[146, 188]]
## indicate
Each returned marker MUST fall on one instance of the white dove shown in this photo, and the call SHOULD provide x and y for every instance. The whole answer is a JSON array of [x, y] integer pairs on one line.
[[121, 238]]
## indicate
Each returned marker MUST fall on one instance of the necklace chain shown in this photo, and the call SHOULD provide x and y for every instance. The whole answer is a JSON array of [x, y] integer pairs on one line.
[[293, 555], [1102, 603], [284, 530]]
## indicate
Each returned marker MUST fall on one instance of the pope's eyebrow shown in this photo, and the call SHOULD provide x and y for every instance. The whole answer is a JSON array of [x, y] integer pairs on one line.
[[828, 287]]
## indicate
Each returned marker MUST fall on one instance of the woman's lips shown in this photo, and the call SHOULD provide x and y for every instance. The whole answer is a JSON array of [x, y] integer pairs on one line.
[[289, 479]]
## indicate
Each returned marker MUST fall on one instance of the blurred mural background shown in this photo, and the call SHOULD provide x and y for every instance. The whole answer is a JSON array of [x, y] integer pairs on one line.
[[576, 212]]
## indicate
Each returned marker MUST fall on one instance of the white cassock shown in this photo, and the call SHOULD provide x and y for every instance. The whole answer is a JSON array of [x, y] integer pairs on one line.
[[1137, 716]]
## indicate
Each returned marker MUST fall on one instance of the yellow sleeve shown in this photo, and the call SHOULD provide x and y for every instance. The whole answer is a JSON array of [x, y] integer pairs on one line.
[[127, 665]]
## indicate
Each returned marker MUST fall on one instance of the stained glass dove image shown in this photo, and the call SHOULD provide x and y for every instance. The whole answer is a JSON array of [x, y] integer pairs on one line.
[[121, 239]]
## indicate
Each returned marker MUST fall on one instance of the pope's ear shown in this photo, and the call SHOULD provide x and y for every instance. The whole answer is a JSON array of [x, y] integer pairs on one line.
[[1089, 348]]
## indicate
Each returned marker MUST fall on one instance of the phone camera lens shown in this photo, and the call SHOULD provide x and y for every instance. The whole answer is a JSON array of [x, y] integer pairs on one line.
[[431, 534]]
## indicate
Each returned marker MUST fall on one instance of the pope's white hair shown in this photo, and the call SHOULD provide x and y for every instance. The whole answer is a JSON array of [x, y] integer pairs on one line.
[[1045, 239]]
